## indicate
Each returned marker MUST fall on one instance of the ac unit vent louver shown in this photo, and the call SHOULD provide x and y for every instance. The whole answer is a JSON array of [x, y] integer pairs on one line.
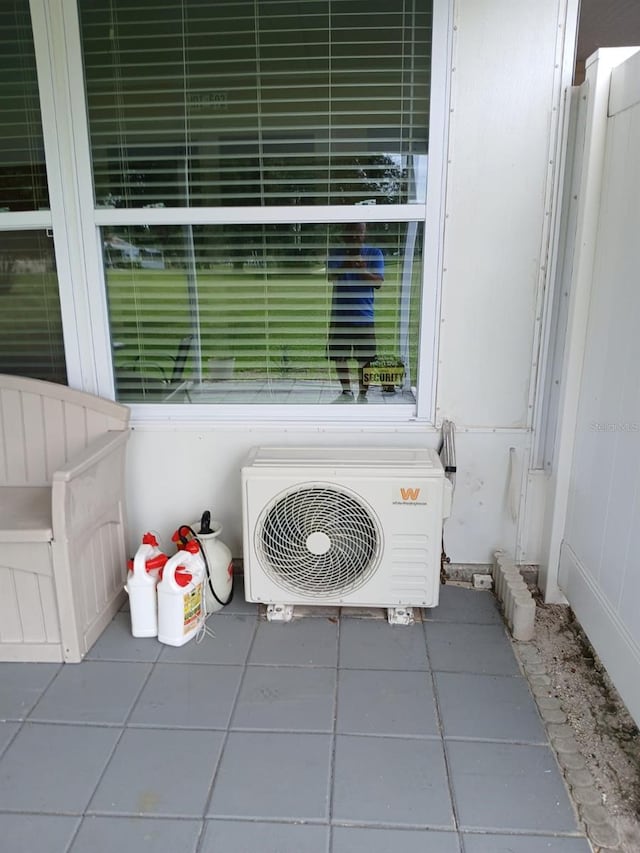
[[318, 541]]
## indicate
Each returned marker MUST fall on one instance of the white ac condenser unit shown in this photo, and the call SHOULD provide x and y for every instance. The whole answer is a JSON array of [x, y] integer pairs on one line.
[[353, 527]]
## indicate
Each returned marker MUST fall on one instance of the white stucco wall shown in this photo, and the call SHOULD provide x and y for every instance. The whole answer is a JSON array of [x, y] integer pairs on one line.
[[510, 60]]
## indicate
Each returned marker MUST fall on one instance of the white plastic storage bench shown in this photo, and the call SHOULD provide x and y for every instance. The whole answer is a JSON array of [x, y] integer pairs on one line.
[[62, 538]]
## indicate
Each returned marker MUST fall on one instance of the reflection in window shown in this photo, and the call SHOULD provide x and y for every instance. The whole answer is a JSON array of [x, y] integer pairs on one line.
[[194, 103], [30, 323], [23, 180], [241, 313]]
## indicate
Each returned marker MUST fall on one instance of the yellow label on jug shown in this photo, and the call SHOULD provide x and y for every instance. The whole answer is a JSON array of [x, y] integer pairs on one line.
[[192, 608]]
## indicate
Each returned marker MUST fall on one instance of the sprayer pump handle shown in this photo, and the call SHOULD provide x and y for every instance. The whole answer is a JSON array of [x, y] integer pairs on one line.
[[205, 523]]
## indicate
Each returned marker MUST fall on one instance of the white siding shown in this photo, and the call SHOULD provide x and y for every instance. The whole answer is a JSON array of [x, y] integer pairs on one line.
[[504, 112], [600, 562]]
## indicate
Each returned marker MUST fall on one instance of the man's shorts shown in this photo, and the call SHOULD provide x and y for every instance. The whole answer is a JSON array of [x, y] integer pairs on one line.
[[349, 341]]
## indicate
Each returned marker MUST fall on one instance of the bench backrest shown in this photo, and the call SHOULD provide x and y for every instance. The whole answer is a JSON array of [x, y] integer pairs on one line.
[[43, 425]]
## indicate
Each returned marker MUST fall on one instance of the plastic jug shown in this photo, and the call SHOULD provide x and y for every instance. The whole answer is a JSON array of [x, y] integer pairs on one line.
[[181, 608], [144, 572]]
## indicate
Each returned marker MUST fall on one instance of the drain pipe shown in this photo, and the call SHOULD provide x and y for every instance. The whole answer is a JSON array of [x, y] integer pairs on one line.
[[447, 453]]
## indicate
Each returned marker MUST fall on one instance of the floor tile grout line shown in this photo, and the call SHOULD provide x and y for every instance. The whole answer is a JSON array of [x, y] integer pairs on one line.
[[390, 736], [110, 756], [319, 822], [399, 827], [203, 664], [75, 832], [267, 730], [496, 741], [477, 674], [48, 685], [430, 620], [521, 833], [225, 738], [21, 721], [436, 699], [20, 724], [334, 738], [290, 665], [92, 723]]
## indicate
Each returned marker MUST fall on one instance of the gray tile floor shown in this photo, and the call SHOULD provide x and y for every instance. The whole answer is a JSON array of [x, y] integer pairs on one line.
[[327, 735]]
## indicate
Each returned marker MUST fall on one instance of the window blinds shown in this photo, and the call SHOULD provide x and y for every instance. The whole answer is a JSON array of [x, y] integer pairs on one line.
[[31, 341], [23, 183], [256, 297], [256, 102]]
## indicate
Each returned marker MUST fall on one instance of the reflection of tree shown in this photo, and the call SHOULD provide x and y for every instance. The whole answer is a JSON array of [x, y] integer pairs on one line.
[[287, 180], [293, 180], [375, 178]]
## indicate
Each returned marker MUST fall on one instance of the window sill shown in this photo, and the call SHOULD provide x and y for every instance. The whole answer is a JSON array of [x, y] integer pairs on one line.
[[323, 417]]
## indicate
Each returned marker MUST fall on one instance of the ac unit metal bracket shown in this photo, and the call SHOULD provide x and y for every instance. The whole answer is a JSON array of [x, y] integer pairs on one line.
[[400, 615], [279, 612]]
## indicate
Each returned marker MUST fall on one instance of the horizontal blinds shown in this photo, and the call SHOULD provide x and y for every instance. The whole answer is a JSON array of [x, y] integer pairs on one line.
[[31, 341], [23, 182], [256, 102], [257, 295]]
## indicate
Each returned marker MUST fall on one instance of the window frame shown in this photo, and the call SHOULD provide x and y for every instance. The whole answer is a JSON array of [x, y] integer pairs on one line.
[[76, 224]]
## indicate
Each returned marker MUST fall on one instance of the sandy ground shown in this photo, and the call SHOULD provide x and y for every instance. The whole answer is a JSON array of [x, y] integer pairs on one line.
[[608, 738]]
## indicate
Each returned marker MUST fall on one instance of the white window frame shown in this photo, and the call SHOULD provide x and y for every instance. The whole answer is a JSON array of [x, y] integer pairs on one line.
[[76, 224]]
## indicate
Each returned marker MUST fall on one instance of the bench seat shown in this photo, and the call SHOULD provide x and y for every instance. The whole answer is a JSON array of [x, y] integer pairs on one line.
[[62, 519], [25, 514]]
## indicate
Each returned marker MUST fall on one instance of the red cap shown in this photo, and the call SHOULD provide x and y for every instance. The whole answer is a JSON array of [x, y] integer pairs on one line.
[[182, 576], [156, 562], [149, 539], [192, 546]]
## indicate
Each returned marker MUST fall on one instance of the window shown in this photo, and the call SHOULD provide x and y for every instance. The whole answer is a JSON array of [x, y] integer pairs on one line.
[[30, 323], [233, 122], [23, 182], [256, 302]]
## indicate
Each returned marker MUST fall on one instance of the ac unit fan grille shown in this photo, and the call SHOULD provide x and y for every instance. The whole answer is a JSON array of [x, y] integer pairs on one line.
[[318, 541]]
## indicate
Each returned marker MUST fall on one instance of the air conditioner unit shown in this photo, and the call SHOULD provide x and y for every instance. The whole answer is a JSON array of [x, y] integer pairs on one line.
[[356, 527]]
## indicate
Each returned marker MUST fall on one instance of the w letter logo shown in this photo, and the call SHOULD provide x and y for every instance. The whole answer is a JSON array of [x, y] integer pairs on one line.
[[410, 494]]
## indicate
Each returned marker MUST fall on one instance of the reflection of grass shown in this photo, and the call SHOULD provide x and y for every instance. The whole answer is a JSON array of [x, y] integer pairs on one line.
[[271, 323]]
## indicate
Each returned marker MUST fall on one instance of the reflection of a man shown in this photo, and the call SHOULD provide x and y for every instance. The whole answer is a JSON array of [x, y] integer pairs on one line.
[[356, 270]]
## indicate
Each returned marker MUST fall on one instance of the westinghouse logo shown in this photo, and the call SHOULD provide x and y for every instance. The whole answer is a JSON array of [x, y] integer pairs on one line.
[[614, 427], [409, 496]]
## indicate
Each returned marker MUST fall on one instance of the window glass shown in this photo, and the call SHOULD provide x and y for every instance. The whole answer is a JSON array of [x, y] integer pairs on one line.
[[31, 342], [23, 182], [30, 323], [257, 103], [244, 313]]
